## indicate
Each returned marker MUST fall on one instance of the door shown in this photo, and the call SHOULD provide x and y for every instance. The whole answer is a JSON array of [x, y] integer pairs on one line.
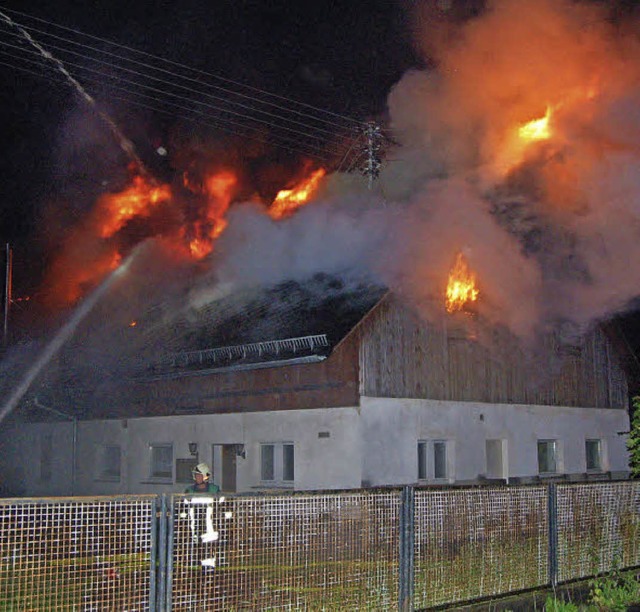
[[496, 451], [229, 459]]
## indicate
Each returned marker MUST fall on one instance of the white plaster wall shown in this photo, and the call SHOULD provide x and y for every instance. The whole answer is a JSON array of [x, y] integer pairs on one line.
[[20, 465], [375, 444], [320, 463], [392, 428]]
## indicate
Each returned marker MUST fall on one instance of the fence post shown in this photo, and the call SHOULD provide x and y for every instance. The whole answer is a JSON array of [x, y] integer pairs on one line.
[[406, 550], [552, 498], [153, 560], [162, 553], [170, 508]]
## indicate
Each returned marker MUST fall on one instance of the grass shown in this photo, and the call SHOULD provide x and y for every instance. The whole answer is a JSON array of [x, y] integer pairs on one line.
[[84, 582], [480, 570], [74, 582], [615, 592]]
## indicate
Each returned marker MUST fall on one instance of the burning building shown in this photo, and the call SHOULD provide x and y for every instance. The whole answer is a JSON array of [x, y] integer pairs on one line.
[[323, 384], [442, 327]]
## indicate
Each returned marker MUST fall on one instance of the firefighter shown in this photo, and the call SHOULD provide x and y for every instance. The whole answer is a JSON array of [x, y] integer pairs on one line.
[[202, 483]]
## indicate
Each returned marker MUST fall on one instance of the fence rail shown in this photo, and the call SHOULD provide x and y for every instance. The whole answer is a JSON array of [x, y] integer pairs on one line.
[[78, 554], [410, 548]]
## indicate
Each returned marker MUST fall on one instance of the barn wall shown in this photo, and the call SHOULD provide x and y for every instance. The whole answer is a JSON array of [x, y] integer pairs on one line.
[[327, 451], [391, 429], [333, 382], [36, 459], [401, 356]]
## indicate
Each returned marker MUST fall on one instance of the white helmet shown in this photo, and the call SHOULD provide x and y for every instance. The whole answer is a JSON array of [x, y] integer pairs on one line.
[[201, 468]]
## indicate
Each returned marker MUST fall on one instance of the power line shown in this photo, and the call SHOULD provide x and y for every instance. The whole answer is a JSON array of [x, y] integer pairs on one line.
[[233, 116], [180, 98], [280, 141], [226, 100], [289, 102]]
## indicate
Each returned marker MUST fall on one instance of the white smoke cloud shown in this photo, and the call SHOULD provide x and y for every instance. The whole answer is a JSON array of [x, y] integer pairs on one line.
[[551, 229], [333, 236]]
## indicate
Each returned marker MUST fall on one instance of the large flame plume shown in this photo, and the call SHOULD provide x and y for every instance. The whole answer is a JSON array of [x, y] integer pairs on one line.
[[144, 209], [519, 145], [532, 108]]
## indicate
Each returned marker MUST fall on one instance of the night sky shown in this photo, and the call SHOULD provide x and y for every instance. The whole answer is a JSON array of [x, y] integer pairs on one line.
[[338, 55], [333, 55]]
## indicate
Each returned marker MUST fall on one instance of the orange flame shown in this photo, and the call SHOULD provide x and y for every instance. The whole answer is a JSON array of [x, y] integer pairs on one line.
[[94, 248], [289, 200], [461, 287], [136, 200], [71, 279], [519, 139], [537, 129], [219, 189]]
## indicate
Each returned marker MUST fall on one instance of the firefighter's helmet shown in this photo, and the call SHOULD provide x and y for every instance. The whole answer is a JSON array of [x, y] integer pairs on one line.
[[202, 468]]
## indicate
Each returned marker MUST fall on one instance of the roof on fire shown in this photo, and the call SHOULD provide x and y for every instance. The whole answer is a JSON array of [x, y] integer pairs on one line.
[[292, 322]]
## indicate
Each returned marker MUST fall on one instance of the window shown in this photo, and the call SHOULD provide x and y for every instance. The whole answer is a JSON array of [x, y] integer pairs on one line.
[[439, 459], [161, 462], [547, 456], [266, 457], [287, 462], [594, 455], [433, 460], [422, 460], [109, 463], [277, 463]]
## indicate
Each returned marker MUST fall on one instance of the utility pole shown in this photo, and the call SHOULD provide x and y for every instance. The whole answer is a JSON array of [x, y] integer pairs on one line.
[[372, 164], [8, 280]]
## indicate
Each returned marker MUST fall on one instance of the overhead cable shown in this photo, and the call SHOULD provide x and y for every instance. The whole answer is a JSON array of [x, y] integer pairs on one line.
[[288, 101]]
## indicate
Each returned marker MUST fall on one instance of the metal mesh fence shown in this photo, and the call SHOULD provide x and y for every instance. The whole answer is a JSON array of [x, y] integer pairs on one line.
[[292, 552], [473, 543], [76, 554], [598, 528], [309, 551]]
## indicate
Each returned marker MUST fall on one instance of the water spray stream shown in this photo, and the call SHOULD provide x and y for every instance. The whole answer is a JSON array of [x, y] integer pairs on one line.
[[125, 144], [62, 336]]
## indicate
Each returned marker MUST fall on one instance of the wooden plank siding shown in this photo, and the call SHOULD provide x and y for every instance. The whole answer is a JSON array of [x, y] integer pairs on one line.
[[330, 383], [401, 356], [390, 353]]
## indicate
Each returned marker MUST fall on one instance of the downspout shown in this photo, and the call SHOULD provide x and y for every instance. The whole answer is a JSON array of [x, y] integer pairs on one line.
[[74, 443]]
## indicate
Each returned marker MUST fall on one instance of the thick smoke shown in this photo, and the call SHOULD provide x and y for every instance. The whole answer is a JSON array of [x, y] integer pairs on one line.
[[551, 227], [561, 215]]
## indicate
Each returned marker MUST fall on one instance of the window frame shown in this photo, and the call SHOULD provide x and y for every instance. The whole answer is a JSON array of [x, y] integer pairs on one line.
[[423, 453], [272, 462], [556, 456], [444, 460], [600, 455], [427, 462], [288, 463], [153, 475], [282, 464]]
